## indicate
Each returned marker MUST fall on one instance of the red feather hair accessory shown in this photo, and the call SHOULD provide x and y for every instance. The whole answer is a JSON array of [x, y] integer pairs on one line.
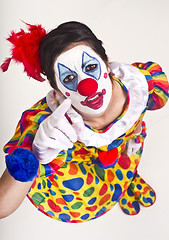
[[25, 50]]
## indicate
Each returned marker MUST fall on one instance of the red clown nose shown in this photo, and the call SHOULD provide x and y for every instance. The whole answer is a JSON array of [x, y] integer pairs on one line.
[[87, 87]]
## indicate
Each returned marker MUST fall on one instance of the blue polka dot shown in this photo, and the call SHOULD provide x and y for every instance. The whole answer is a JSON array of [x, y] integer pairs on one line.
[[64, 217], [68, 197], [129, 174], [52, 192], [119, 174], [152, 194], [85, 216], [51, 213], [150, 200], [124, 201], [102, 210], [117, 192], [74, 184], [46, 194], [39, 186], [56, 177], [126, 211], [139, 186], [83, 170], [65, 208], [111, 187], [91, 201], [115, 144], [145, 200], [96, 180], [136, 206], [49, 184], [130, 193]]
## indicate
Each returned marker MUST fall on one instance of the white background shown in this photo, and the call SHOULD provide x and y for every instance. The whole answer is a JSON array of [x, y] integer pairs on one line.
[[131, 31]]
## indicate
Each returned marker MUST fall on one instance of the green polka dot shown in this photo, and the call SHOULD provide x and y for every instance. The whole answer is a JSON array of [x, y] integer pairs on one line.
[[77, 205], [62, 191], [100, 172], [88, 192], [43, 183], [132, 185]]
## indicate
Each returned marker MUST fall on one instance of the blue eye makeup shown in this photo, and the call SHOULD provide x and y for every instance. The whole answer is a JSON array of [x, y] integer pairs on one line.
[[68, 78], [91, 66]]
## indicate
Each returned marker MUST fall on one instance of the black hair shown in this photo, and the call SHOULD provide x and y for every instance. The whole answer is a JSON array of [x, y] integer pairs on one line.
[[57, 40]]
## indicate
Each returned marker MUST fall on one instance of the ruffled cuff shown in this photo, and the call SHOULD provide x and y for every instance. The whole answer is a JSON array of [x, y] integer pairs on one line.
[[139, 138], [22, 165]]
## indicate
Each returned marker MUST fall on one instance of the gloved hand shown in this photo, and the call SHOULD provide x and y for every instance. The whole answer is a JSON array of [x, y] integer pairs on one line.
[[56, 133], [132, 146]]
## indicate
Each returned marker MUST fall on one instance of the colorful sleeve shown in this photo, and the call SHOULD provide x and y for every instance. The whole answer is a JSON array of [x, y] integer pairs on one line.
[[25, 133], [26, 130], [158, 84], [27, 127]]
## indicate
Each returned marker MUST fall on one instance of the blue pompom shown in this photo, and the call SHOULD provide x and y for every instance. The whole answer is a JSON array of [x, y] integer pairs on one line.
[[22, 165]]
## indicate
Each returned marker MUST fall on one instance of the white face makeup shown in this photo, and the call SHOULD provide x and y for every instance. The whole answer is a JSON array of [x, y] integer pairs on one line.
[[82, 76]]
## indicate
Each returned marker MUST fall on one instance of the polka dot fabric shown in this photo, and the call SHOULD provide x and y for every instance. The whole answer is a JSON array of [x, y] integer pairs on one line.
[[138, 192], [80, 192], [84, 183]]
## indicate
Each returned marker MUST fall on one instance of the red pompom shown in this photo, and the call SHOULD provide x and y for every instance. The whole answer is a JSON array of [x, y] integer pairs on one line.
[[108, 157], [25, 49]]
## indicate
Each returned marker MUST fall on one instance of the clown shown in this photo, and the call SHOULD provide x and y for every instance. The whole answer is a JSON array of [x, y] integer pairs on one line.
[[82, 76], [76, 152]]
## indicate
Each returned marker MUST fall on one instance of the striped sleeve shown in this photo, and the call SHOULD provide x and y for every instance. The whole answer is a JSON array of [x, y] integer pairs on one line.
[[158, 84], [27, 128]]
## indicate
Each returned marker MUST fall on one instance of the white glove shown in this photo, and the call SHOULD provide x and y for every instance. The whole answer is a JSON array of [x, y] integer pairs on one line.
[[56, 133], [132, 147]]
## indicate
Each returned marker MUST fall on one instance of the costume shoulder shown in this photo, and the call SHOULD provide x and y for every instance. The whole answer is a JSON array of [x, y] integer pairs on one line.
[[27, 126], [158, 84]]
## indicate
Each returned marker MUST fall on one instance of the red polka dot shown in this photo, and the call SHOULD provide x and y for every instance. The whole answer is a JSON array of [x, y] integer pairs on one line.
[[67, 94], [124, 161], [92, 209], [142, 181], [103, 189], [104, 199], [89, 178], [77, 193], [137, 194], [146, 189], [75, 214], [41, 208], [73, 169], [61, 201], [59, 173], [110, 175], [79, 199], [129, 205], [53, 206]]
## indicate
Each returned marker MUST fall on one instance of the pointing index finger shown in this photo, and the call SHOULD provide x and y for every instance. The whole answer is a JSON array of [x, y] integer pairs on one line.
[[62, 109]]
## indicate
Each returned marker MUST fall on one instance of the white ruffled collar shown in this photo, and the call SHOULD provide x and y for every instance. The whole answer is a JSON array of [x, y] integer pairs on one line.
[[135, 83]]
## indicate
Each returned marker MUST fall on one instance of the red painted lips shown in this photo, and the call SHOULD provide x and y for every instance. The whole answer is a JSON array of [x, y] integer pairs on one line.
[[95, 101]]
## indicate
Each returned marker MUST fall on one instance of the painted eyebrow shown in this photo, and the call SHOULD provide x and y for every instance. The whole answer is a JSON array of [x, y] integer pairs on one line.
[[89, 61], [65, 72]]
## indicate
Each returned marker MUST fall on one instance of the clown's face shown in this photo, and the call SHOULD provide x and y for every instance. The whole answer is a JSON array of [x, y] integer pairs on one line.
[[82, 76]]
